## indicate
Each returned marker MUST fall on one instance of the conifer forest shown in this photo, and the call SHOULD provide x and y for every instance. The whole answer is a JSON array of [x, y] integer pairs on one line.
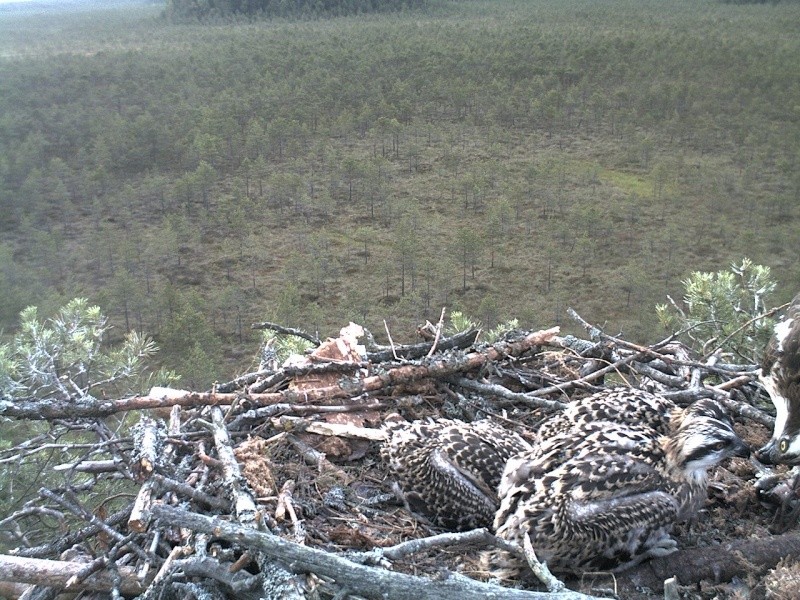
[[193, 190]]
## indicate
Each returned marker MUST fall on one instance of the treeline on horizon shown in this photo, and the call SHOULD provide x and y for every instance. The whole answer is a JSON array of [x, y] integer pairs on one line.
[[213, 9]]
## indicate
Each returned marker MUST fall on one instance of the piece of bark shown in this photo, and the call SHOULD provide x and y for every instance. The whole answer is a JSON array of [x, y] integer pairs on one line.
[[297, 424], [140, 515], [344, 349], [148, 442]]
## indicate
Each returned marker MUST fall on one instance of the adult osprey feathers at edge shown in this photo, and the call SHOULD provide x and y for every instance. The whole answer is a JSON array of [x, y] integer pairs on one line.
[[780, 375]]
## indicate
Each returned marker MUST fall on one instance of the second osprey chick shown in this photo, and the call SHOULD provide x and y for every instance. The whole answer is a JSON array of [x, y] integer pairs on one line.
[[447, 470]]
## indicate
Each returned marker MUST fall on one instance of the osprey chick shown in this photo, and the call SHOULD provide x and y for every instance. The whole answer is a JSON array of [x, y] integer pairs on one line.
[[447, 470], [619, 405], [605, 495]]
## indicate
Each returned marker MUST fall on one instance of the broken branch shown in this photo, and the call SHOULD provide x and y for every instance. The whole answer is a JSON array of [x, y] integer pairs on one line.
[[367, 581]]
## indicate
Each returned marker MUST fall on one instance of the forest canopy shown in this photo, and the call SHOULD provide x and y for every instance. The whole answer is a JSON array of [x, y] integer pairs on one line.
[[495, 157]]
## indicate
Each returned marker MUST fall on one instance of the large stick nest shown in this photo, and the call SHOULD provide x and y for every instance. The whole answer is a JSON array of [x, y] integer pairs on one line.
[[272, 485]]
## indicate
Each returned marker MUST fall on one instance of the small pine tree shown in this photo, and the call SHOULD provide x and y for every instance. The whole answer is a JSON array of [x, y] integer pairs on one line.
[[276, 348], [726, 310], [460, 322], [67, 356]]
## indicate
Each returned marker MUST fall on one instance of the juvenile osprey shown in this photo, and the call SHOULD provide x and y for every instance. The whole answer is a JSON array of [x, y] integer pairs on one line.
[[619, 405], [780, 374], [605, 495], [448, 470]]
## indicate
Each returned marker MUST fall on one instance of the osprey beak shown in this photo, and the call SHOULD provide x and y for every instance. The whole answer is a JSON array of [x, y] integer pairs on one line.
[[766, 454], [741, 449], [771, 453]]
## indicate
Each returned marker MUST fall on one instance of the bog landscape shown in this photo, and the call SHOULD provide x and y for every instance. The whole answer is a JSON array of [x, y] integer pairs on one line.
[[190, 192]]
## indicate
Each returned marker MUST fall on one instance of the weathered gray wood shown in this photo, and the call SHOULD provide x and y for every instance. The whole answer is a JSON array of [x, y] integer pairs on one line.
[[56, 573], [460, 340], [361, 580], [717, 563], [246, 511]]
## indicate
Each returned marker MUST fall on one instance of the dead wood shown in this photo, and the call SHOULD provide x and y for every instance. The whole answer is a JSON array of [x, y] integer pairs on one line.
[[360, 579], [51, 409], [245, 509], [313, 438], [62, 543], [287, 331], [56, 573], [140, 515], [381, 555], [717, 563], [243, 502], [459, 341], [498, 391]]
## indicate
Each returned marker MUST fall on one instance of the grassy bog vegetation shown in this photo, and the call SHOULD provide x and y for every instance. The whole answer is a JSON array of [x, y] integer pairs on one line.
[[504, 158]]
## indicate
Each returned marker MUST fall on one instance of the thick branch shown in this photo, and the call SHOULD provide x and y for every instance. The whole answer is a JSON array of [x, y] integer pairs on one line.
[[494, 389], [56, 573], [719, 563], [67, 541], [596, 332], [190, 492], [243, 501], [165, 398], [359, 579], [461, 340], [287, 331], [475, 537]]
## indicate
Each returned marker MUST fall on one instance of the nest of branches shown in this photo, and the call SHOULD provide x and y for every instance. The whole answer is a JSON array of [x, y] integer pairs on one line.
[[271, 485]]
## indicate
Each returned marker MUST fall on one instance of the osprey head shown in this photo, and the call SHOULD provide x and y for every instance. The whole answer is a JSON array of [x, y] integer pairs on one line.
[[704, 439], [784, 445]]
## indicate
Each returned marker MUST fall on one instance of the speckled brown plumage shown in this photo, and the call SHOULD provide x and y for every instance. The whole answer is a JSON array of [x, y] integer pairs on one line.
[[618, 405], [780, 374], [605, 495], [447, 471]]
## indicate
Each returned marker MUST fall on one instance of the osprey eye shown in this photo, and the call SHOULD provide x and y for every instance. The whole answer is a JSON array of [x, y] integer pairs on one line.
[[784, 445]]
